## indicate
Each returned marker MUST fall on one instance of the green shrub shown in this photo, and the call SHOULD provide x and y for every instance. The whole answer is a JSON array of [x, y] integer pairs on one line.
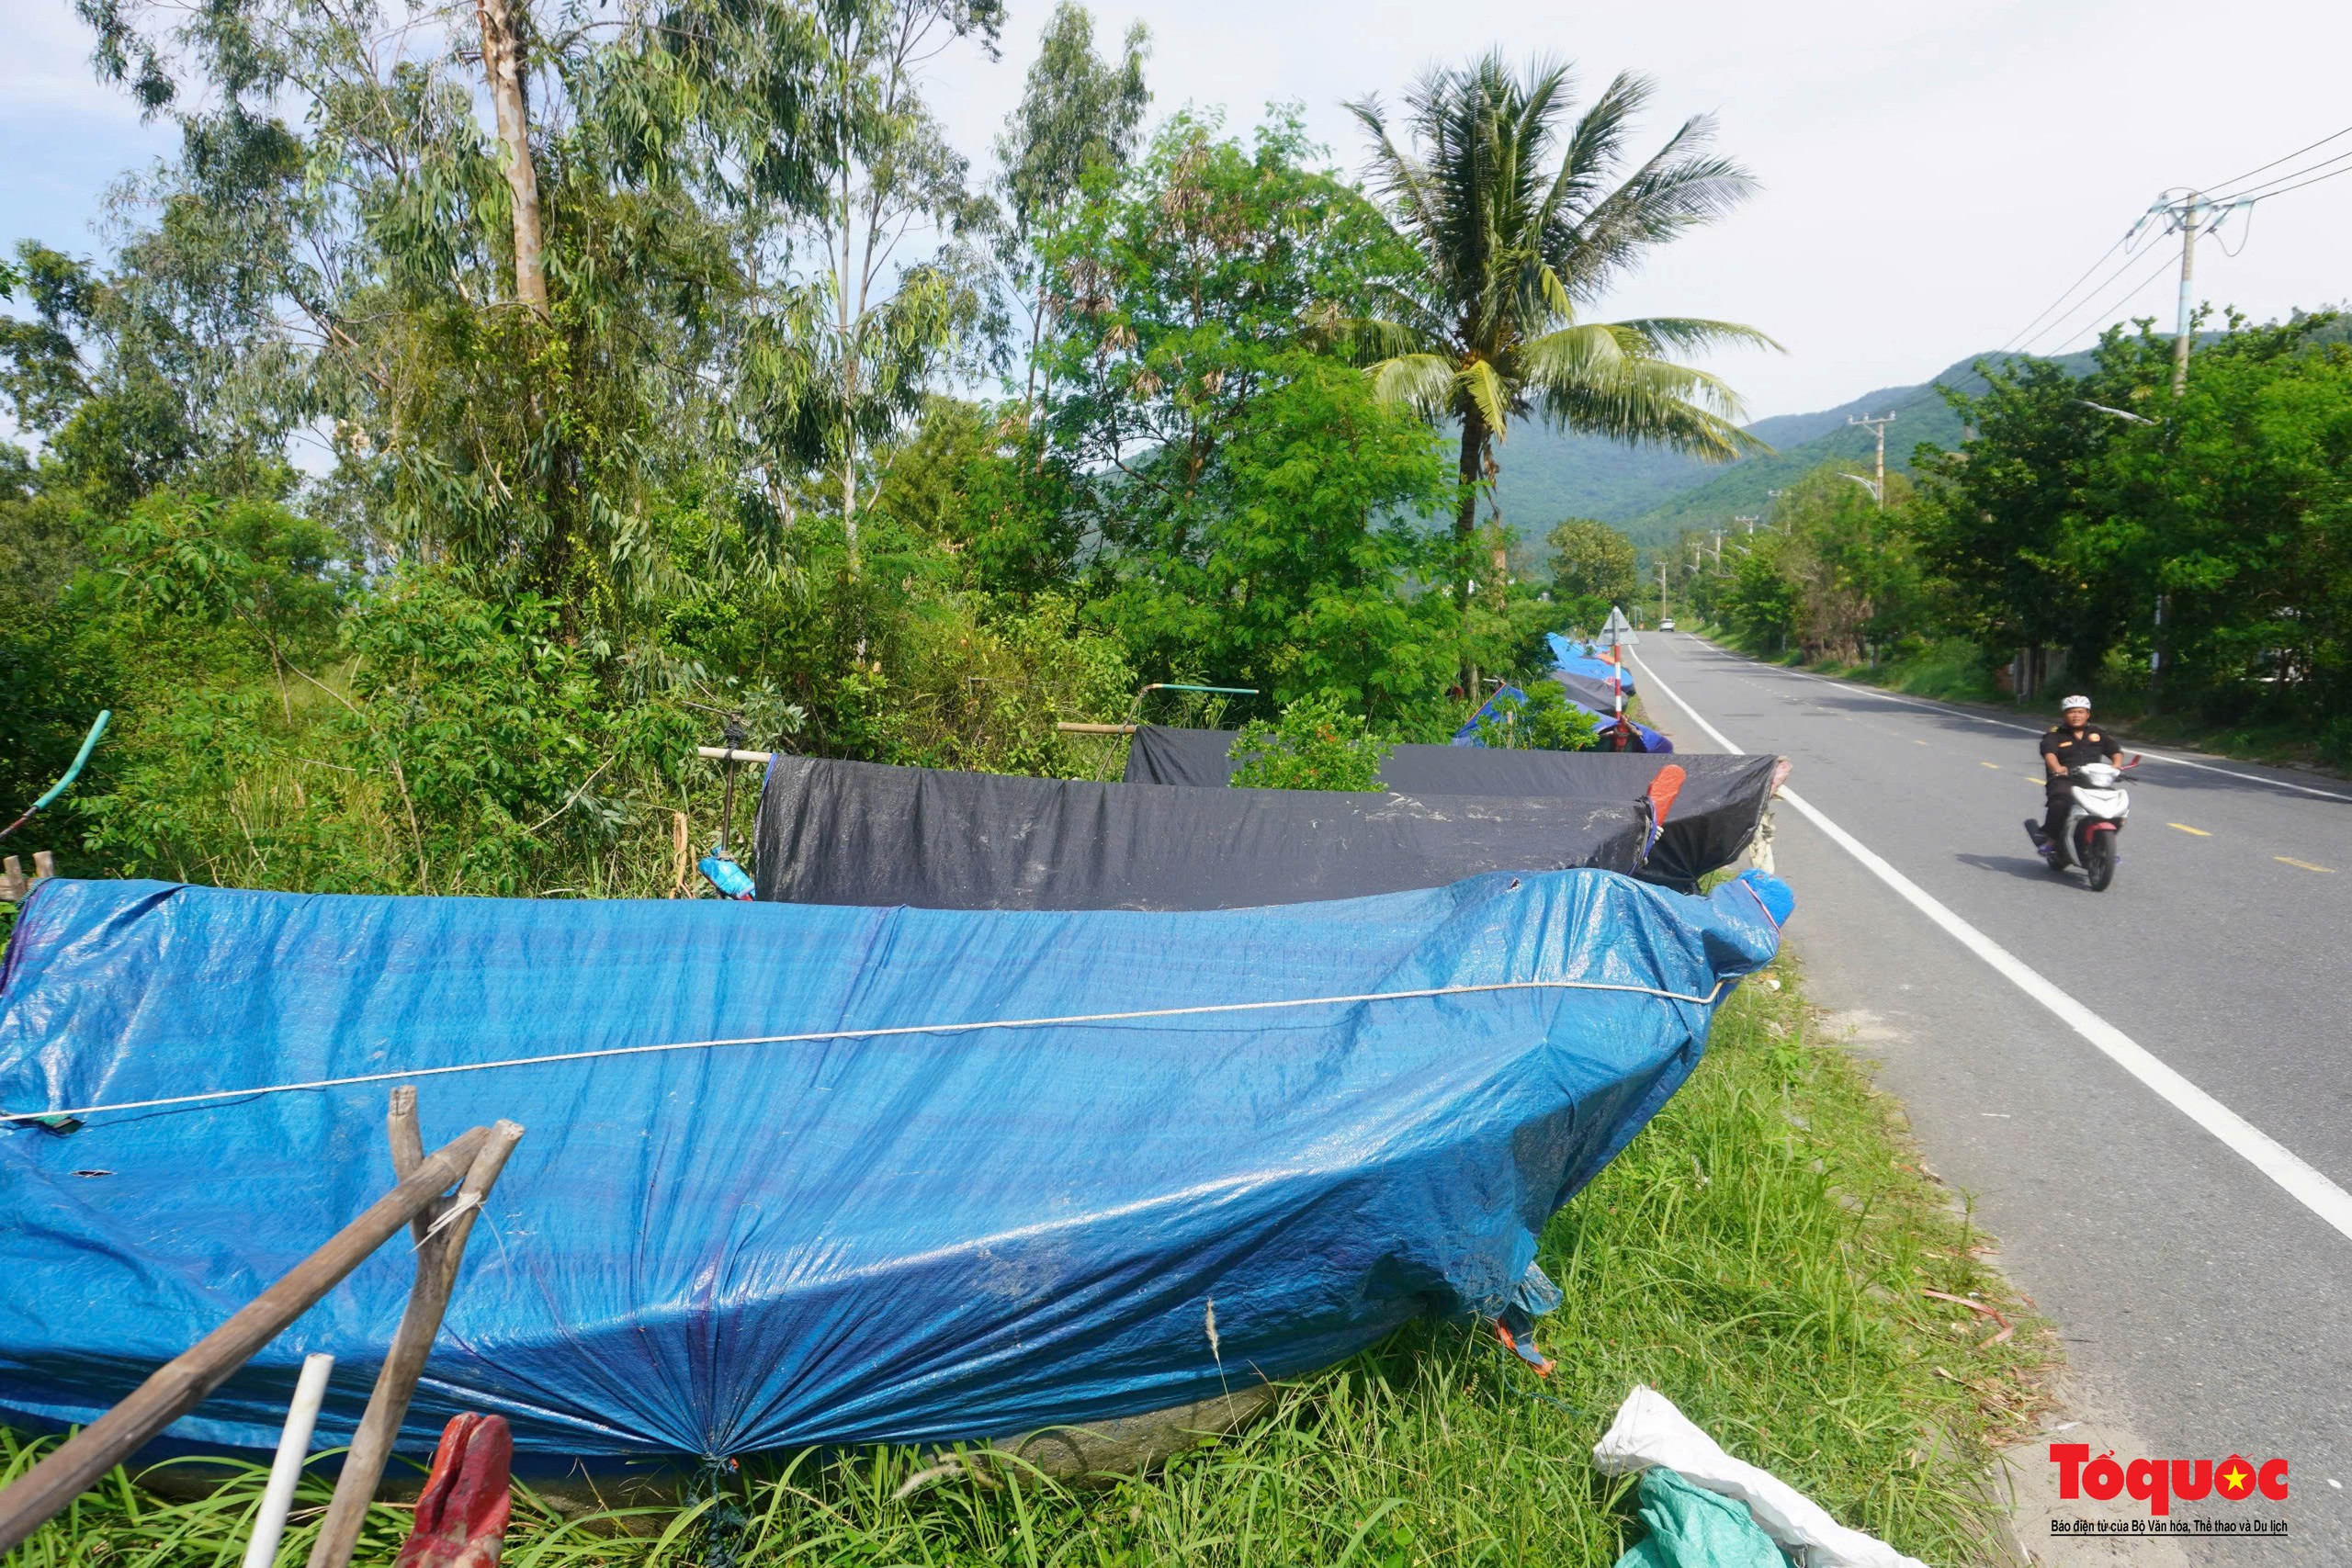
[[1317, 744]]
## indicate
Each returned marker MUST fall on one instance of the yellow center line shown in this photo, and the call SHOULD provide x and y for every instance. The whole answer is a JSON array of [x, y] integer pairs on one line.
[[1995, 766], [2187, 828], [2302, 864], [1919, 744]]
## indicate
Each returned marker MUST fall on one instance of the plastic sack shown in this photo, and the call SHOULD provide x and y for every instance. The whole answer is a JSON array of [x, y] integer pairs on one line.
[[1649, 1431], [1690, 1528]]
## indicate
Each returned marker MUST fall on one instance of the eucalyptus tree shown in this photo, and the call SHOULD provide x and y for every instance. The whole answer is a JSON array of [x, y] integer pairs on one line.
[[892, 185], [1518, 221], [507, 327], [1078, 118]]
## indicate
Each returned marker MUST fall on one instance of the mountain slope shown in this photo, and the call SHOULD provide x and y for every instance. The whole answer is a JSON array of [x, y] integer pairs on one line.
[[1654, 494]]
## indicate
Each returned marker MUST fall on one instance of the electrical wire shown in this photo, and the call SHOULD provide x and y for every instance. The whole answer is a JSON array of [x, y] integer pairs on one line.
[[2309, 182], [2225, 200], [2122, 240], [2233, 179], [2268, 186], [2096, 289], [2107, 313], [2244, 237]]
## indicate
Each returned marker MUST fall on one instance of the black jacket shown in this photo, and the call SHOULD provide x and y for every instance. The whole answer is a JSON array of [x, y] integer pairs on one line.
[[2073, 749]]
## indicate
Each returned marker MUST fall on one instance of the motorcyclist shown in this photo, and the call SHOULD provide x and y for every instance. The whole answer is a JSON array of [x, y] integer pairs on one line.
[[2070, 745]]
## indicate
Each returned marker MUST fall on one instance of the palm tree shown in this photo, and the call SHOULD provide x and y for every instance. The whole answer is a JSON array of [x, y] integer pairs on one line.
[[1508, 247]]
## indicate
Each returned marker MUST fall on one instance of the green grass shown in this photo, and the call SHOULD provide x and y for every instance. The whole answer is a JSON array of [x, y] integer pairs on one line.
[[1758, 1254], [1954, 670]]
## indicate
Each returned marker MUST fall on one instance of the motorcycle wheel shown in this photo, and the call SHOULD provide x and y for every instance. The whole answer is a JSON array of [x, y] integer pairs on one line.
[[2098, 861]]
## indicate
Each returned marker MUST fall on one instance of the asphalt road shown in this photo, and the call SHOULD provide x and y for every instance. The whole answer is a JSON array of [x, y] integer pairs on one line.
[[2206, 1308]]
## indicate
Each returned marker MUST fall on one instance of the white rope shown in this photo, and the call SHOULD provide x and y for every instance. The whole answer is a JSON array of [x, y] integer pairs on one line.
[[819, 1036]]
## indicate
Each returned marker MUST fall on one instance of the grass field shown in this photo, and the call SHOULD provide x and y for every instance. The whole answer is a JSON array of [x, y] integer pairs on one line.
[[1760, 1254]]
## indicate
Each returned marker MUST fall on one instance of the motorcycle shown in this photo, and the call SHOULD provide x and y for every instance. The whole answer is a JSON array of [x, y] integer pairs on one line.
[[2100, 805]]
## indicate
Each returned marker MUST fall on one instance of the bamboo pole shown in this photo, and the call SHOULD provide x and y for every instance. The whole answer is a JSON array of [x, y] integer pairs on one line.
[[438, 1254], [182, 1383]]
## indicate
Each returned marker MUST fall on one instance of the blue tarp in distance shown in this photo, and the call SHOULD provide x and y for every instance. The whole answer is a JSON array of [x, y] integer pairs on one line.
[[919, 1237], [1652, 741]]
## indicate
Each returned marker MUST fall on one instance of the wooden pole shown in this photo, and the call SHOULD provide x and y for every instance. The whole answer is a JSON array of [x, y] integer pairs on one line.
[[439, 1251], [182, 1383]]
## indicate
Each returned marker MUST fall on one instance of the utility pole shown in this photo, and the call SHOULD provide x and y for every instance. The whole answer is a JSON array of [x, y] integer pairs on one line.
[[2185, 217], [1661, 594], [1719, 552], [1747, 519], [1878, 428]]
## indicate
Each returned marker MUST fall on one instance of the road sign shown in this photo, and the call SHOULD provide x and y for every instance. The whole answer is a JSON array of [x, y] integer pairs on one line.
[[1618, 633]]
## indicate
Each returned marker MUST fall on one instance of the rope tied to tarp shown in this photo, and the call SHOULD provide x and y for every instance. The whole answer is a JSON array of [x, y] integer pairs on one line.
[[1139, 1015]]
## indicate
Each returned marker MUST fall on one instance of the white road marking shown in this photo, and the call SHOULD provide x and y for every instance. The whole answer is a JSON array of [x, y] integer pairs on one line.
[[2029, 729], [2300, 1181]]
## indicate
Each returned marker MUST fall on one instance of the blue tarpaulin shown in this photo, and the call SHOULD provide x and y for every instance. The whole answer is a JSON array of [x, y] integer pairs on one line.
[[735, 1247], [1468, 734], [1581, 660]]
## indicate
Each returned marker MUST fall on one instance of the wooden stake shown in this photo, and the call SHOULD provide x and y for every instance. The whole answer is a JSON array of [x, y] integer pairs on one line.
[[438, 1254], [182, 1383]]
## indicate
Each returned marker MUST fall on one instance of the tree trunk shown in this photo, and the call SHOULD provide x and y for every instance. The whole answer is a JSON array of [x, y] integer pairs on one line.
[[1473, 464], [502, 63]]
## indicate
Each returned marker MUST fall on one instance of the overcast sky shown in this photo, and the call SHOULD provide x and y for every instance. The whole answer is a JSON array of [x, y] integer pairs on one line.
[[1933, 176]]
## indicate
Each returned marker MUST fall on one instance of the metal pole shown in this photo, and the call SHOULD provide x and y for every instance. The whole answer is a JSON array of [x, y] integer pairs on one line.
[[2193, 212]]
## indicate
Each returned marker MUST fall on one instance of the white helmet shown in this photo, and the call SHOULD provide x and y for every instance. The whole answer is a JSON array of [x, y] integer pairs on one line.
[[2082, 703]]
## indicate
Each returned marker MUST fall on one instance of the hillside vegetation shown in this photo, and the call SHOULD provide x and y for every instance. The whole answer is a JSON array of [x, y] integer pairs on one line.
[[1653, 494]]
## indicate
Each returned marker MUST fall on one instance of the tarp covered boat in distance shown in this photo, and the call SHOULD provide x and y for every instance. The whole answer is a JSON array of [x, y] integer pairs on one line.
[[1708, 826], [951, 1233], [1651, 741], [836, 832]]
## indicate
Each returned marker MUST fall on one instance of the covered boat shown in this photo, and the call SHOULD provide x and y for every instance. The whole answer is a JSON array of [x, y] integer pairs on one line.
[[833, 832], [1710, 825], [807, 1174], [1650, 739]]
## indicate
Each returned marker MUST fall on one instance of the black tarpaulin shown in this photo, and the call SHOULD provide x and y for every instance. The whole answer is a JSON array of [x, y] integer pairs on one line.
[[1708, 828], [834, 833], [1596, 694]]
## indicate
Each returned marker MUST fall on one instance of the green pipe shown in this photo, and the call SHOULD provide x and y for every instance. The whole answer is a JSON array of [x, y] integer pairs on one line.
[[88, 743]]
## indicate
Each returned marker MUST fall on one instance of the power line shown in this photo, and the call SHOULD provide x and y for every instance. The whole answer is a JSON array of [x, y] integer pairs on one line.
[[2101, 319], [2096, 289], [2309, 182], [2275, 161], [2256, 192], [2120, 240], [2188, 217]]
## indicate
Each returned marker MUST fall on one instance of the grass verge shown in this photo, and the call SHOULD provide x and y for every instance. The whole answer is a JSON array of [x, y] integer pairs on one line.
[[1953, 670], [1762, 1254]]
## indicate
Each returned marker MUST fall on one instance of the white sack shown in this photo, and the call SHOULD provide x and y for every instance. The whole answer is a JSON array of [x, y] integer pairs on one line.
[[1650, 1431]]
